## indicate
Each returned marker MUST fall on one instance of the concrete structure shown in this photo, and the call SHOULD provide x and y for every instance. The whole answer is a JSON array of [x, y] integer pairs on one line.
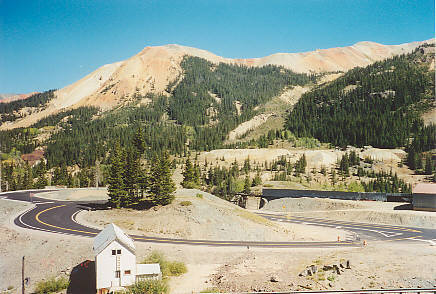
[[424, 197], [252, 202], [115, 261], [271, 194]]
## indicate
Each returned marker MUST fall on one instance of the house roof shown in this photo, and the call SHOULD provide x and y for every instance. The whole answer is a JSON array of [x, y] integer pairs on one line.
[[424, 188], [147, 269], [109, 234]]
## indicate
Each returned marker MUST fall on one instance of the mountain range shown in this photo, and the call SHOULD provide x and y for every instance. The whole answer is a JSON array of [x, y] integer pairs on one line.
[[154, 68]]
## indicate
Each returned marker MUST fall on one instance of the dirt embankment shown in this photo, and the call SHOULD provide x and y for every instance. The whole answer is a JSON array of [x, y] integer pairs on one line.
[[205, 217], [76, 194], [349, 210]]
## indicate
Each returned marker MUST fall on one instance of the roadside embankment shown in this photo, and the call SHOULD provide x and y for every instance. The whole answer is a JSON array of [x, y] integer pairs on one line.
[[76, 194], [390, 213], [198, 215]]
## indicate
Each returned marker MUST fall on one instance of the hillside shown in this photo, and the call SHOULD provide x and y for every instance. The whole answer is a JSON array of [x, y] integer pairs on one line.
[[154, 68], [225, 106], [379, 105]]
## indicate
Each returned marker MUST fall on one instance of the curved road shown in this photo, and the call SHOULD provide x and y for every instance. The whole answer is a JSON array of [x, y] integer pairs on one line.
[[59, 217]]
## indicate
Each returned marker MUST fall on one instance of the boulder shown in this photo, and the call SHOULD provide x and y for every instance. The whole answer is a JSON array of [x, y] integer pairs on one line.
[[327, 268], [336, 269]]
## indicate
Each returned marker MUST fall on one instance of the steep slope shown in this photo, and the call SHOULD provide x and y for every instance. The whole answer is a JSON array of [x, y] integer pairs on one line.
[[155, 68], [379, 105], [336, 59], [152, 69]]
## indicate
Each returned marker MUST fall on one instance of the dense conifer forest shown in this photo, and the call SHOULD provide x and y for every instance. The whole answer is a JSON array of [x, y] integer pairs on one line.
[[378, 105], [36, 100]]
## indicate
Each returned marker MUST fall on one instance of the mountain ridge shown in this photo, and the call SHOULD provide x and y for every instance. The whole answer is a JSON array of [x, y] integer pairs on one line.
[[154, 68]]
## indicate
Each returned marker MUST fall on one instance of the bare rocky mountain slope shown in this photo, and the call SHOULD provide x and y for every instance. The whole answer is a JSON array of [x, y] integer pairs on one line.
[[6, 98], [152, 69]]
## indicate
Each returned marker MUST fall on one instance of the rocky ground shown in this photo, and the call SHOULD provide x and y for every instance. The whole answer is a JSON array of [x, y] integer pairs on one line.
[[199, 215], [378, 265]]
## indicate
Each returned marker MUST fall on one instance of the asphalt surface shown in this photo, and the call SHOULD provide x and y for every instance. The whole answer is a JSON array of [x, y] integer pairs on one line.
[[59, 217]]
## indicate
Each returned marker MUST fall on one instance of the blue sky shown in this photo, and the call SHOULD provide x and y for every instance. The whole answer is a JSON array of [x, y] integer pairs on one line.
[[50, 44]]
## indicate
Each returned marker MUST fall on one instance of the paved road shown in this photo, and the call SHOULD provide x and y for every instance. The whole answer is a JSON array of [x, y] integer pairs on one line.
[[59, 217]]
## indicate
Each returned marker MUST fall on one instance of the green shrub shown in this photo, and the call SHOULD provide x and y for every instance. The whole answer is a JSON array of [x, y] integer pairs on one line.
[[154, 257], [307, 143], [199, 195], [185, 203], [331, 278], [52, 285], [148, 287], [176, 268], [190, 185], [168, 268]]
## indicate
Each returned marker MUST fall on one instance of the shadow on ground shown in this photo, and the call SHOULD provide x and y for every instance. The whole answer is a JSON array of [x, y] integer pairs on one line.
[[101, 205], [82, 278], [407, 206]]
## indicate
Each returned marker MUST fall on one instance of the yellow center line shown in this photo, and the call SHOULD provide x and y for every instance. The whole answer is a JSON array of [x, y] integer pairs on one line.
[[243, 243], [53, 226], [188, 241]]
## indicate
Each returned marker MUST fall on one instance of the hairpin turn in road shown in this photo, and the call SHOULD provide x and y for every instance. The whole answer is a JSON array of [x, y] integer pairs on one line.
[[59, 217]]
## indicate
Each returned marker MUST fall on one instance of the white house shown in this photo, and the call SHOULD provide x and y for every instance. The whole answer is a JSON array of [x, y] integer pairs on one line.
[[115, 261]]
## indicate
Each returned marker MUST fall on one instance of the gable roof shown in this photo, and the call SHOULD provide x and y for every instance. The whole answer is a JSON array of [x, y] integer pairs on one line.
[[424, 188], [109, 234]]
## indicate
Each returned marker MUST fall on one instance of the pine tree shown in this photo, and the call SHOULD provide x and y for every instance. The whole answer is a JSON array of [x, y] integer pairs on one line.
[[42, 179], [257, 180], [188, 175], [419, 161], [428, 165], [28, 178], [333, 176], [344, 165], [247, 166], [247, 185], [197, 175], [130, 177], [138, 141], [161, 184], [116, 191], [143, 182]]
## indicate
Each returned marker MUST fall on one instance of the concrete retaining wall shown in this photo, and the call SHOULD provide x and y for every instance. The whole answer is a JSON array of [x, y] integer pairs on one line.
[[424, 202], [284, 193]]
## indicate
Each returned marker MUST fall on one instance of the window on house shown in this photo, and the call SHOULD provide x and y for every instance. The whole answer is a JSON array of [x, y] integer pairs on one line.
[[119, 251], [127, 272], [117, 274], [114, 252]]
